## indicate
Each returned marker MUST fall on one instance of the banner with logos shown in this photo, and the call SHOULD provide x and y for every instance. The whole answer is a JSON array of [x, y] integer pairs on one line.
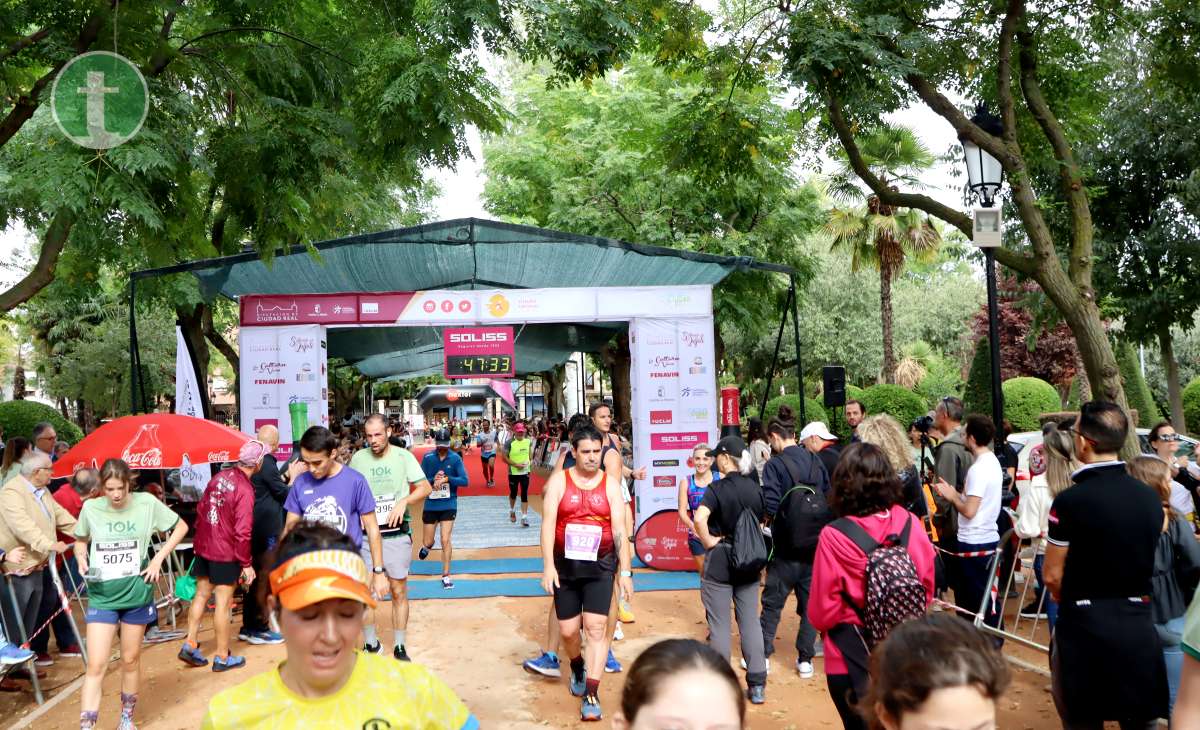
[[189, 401], [674, 401], [281, 366]]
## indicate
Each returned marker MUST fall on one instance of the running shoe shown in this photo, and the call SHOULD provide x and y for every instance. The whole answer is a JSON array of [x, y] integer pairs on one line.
[[757, 694], [261, 637], [589, 711], [611, 665], [577, 684], [618, 633], [71, 650], [126, 723], [524, 520], [805, 669], [189, 654], [400, 654], [13, 654], [422, 553], [224, 664], [447, 583], [44, 659], [1033, 610], [745, 666], [512, 516], [625, 612], [546, 665], [375, 648]]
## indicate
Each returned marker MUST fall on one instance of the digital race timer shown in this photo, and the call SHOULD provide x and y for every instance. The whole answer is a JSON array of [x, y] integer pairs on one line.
[[479, 352], [477, 366]]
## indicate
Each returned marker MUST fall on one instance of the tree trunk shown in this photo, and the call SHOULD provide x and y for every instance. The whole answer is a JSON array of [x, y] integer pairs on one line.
[[1174, 393], [19, 377], [618, 359], [885, 310], [552, 389]]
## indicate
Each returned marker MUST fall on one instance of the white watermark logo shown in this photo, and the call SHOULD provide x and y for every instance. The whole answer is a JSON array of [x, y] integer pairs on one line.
[[99, 100]]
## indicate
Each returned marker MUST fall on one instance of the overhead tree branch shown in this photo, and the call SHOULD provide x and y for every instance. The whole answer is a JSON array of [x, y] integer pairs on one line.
[[218, 340], [262, 29], [1008, 28], [43, 271], [22, 43], [164, 54]]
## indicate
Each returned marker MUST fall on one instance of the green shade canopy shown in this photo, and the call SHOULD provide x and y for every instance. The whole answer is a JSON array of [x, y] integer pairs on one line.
[[467, 253]]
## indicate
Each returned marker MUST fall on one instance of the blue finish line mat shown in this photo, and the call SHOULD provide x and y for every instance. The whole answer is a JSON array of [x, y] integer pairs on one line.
[[531, 587], [433, 566]]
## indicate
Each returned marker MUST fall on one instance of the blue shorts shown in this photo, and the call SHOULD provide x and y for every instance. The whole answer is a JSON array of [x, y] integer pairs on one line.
[[140, 616], [487, 455], [695, 546]]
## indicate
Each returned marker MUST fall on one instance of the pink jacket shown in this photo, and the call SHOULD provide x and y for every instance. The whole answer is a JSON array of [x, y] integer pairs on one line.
[[839, 572], [224, 517]]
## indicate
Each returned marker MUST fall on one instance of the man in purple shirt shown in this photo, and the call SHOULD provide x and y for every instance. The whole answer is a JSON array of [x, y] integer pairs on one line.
[[329, 492]]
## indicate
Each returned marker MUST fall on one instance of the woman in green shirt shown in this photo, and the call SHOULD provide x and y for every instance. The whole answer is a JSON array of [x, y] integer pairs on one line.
[[113, 536]]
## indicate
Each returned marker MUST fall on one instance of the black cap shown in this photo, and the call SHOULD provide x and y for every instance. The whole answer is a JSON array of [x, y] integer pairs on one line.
[[732, 445], [441, 438]]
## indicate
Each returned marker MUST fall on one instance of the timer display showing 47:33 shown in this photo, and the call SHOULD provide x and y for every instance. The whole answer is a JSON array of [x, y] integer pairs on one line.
[[473, 365]]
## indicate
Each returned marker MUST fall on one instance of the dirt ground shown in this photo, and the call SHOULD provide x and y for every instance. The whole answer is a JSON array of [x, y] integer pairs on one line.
[[477, 646]]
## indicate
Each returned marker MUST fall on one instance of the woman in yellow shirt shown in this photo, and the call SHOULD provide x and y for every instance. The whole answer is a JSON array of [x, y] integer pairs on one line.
[[319, 589]]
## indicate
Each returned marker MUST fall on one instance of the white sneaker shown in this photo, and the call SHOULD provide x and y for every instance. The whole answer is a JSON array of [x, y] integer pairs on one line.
[[618, 634], [746, 666], [524, 520], [805, 669]]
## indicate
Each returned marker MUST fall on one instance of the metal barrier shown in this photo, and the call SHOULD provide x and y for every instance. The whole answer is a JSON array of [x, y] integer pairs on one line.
[[64, 607]]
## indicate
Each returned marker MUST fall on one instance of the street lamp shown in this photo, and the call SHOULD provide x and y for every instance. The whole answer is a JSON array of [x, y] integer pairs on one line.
[[984, 176]]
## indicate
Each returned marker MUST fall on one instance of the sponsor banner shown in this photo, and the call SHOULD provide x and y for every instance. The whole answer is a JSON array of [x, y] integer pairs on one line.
[[661, 418], [661, 540], [664, 482], [383, 308], [258, 311], [281, 366], [192, 478], [478, 341], [663, 301], [665, 462], [677, 441], [541, 305]]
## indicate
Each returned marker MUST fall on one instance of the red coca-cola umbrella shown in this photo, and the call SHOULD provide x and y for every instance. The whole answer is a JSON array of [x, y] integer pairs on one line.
[[154, 441]]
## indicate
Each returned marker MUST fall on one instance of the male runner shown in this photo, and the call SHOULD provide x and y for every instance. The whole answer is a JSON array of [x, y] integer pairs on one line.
[[329, 492], [487, 452], [397, 482], [582, 547], [518, 455], [445, 470]]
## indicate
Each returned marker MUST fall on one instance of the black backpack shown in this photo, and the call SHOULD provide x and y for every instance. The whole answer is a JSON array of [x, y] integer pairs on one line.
[[802, 512], [748, 548], [894, 592]]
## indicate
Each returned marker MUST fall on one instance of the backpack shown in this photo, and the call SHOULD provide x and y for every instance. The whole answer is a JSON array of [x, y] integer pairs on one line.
[[802, 512], [894, 592], [748, 550]]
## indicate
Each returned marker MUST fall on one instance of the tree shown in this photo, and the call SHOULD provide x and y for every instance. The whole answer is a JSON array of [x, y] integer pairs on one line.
[[977, 394], [1029, 346], [881, 235], [1140, 398]]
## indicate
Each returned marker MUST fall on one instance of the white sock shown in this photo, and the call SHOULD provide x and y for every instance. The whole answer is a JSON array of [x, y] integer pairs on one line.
[[369, 635], [399, 637]]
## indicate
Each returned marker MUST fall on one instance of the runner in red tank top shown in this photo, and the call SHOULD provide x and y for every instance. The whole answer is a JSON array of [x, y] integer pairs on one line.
[[581, 548]]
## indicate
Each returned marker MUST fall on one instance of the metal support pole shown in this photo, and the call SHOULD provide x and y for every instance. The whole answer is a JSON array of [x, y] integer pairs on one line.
[[796, 322], [762, 410], [994, 345], [133, 366], [29, 665], [66, 604]]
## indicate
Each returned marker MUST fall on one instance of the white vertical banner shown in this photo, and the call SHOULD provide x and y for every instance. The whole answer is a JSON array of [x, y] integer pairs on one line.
[[280, 366], [188, 402]]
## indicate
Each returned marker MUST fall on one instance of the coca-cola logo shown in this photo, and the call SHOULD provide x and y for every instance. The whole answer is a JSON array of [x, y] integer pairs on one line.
[[692, 339], [149, 459], [302, 344], [216, 456]]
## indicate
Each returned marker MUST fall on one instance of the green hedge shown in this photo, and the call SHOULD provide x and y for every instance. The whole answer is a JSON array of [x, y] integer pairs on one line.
[[1191, 406], [813, 410], [977, 394], [900, 403], [1137, 393], [853, 392], [1027, 398], [20, 416]]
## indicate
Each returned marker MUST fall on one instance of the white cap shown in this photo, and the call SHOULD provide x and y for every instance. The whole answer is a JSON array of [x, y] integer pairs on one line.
[[817, 428]]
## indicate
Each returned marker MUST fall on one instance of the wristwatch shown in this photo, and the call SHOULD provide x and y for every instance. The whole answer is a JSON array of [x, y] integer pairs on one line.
[[626, 573], [377, 569]]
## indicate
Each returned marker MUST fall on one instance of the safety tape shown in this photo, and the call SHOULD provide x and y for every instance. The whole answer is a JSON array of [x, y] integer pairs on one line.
[[66, 603], [968, 554]]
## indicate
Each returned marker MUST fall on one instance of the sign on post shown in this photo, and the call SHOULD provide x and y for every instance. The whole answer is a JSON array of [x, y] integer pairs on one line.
[[479, 352]]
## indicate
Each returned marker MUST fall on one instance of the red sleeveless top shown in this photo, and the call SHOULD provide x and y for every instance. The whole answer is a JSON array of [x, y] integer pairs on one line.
[[584, 506]]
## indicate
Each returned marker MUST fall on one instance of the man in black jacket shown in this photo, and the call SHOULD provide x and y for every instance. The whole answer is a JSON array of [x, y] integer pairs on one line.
[[817, 438], [270, 490], [794, 535]]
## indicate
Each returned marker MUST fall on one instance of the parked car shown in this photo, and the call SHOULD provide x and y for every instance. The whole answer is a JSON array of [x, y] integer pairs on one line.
[[1025, 441]]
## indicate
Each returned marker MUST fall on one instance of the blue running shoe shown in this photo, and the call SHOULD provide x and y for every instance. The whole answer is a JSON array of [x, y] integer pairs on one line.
[[611, 665], [224, 664], [189, 654], [578, 685], [590, 710], [12, 654], [261, 637], [545, 665]]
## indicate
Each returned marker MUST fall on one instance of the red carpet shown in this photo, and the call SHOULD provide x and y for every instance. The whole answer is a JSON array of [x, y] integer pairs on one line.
[[476, 486]]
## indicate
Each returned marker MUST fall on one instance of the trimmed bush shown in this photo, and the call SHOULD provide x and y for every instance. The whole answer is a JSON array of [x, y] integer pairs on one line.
[[20, 416], [900, 403], [1025, 399], [1137, 393], [813, 410], [977, 394], [1191, 406], [853, 392]]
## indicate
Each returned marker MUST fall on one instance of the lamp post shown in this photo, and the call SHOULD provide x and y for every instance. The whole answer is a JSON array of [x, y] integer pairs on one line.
[[984, 177]]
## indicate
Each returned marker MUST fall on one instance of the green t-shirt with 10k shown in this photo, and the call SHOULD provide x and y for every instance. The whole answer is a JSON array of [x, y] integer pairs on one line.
[[118, 540], [390, 477]]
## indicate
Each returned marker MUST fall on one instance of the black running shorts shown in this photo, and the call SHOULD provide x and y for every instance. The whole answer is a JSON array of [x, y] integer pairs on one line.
[[583, 595]]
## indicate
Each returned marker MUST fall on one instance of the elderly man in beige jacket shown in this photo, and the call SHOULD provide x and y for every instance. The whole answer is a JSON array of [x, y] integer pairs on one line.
[[30, 517]]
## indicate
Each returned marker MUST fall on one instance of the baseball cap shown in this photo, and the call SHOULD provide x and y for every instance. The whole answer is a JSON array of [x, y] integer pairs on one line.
[[817, 428], [732, 445], [251, 453], [519, 428], [441, 438], [320, 575]]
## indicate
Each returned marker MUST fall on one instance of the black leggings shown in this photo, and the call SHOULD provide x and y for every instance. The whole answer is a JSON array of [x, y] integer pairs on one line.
[[518, 480], [841, 689]]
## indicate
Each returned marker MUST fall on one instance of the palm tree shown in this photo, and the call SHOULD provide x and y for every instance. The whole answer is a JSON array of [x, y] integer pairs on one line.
[[877, 234]]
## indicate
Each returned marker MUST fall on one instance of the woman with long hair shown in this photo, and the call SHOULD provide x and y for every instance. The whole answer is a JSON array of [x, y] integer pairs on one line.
[[112, 541], [868, 496], [1176, 567], [14, 450], [1051, 464], [760, 448], [886, 433], [319, 592], [935, 672], [691, 493], [681, 683], [1164, 442]]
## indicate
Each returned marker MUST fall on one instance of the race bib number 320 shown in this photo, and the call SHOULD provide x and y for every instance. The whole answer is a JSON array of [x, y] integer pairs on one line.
[[117, 559]]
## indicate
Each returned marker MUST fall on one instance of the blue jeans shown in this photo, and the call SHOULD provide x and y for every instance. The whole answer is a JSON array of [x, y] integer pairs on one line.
[[1050, 606], [1173, 656]]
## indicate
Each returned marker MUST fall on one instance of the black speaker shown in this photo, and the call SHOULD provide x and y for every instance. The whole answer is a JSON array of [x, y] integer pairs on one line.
[[833, 378]]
